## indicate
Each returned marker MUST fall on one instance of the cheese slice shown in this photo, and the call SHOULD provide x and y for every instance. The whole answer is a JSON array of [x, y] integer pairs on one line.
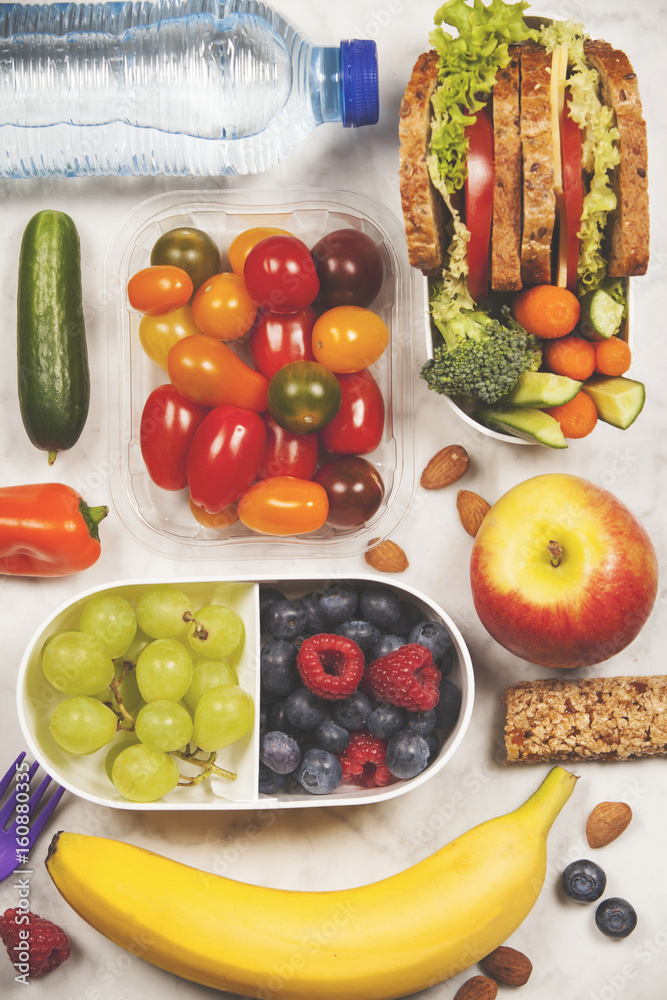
[[558, 78]]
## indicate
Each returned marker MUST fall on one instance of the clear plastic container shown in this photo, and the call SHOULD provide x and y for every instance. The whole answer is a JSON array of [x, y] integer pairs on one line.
[[162, 521], [86, 776]]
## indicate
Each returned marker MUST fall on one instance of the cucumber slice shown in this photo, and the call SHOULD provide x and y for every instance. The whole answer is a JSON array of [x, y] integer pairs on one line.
[[601, 315], [618, 400], [524, 422], [542, 389]]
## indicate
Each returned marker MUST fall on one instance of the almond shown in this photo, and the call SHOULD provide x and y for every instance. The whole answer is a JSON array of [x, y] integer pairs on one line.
[[446, 466], [478, 988], [387, 557], [472, 510], [508, 965], [607, 822]]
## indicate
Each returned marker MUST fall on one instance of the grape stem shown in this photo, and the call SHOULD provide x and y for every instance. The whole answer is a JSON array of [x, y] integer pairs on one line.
[[208, 766], [115, 688]]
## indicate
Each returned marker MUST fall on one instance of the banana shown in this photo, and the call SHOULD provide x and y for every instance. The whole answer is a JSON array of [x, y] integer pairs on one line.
[[373, 942]]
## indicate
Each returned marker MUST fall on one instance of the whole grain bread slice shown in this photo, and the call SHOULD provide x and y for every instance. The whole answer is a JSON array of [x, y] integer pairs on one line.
[[539, 198], [506, 229], [627, 234]]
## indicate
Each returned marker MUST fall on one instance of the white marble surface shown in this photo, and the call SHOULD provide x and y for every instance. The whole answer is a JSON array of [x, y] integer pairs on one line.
[[325, 848]]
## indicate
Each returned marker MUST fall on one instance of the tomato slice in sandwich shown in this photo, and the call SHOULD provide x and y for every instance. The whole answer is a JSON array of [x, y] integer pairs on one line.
[[572, 189], [479, 201]]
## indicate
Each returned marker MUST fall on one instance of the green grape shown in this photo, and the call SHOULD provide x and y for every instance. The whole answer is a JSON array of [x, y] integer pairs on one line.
[[111, 619], [163, 612], [207, 674], [77, 663], [126, 740], [144, 775], [164, 671], [217, 631], [134, 650], [82, 725], [164, 725], [223, 714]]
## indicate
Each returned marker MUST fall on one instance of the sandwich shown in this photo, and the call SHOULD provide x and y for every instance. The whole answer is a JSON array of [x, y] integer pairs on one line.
[[523, 162]]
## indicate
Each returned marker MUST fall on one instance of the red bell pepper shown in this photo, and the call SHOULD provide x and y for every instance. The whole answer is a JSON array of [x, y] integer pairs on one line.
[[46, 529]]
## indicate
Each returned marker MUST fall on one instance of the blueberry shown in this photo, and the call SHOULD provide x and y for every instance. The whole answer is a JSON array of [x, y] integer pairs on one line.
[[284, 619], [449, 705], [615, 917], [584, 881], [339, 602], [385, 720], [331, 736], [278, 720], [410, 616], [270, 781], [445, 662], [280, 752], [433, 741], [304, 709], [277, 664], [319, 772], [434, 636], [380, 605], [267, 596], [316, 620], [407, 754], [353, 712], [387, 643], [422, 722], [365, 634]]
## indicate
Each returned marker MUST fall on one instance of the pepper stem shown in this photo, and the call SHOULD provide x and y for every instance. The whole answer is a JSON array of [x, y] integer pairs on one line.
[[92, 516], [555, 553]]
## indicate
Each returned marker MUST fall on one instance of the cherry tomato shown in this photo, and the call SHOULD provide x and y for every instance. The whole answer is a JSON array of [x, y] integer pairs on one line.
[[158, 334], [572, 189], [278, 338], [479, 187], [358, 426], [222, 307], [349, 338], [303, 396], [223, 519], [209, 372], [169, 422], [284, 505], [242, 244], [191, 249], [354, 488], [160, 289], [288, 454], [280, 274], [349, 267], [224, 457]]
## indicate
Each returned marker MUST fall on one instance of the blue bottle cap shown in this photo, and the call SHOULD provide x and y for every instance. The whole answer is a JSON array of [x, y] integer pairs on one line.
[[359, 71]]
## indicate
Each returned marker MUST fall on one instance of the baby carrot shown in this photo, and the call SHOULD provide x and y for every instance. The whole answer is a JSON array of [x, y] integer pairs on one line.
[[577, 417], [612, 356], [547, 311], [571, 355]]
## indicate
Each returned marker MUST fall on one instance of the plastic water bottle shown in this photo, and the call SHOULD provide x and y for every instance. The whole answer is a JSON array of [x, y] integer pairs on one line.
[[178, 87]]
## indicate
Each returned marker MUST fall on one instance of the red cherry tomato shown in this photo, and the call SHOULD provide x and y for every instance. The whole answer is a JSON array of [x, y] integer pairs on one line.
[[479, 201], [169, 422], [242, 244], [357, 427], [278, 338], [284, 505], [225, 456], [157, 290], [572, 189], [280, 274], [288, 454], [354, 488], [210, 373]]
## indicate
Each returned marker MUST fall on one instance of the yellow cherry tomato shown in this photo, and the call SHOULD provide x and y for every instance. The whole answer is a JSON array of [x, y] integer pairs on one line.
[[158, 334], [348, 339], [222, 307], [284, 505], [242, 244]]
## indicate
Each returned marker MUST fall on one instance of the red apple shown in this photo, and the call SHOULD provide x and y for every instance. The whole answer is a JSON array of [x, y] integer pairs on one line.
[[562, 573]]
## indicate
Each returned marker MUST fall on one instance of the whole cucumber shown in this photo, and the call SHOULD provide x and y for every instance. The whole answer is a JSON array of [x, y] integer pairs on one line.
[[53, 374]]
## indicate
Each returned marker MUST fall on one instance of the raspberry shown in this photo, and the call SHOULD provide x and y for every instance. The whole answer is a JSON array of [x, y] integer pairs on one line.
[[407, 677], [331, 666], [363, 762], [45, 947]]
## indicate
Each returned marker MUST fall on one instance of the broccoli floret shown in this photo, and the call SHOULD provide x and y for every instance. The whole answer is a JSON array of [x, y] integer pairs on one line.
[[481, 357]]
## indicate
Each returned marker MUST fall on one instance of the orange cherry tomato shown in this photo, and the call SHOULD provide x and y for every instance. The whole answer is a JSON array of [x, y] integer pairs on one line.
[[242, 244], [158, 334], [210, 373], [349, 338], [283, 505], [223, 519], [160, 289], [222, 307]]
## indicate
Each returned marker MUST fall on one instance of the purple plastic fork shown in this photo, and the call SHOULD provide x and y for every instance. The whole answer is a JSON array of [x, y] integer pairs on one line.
[[18, 837]]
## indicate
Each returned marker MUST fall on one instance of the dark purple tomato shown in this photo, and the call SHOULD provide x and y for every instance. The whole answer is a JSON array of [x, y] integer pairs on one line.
[[354, 488], [349, 267]]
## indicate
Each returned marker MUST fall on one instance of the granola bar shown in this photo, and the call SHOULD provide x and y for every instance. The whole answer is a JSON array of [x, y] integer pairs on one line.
[[602, 718]]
